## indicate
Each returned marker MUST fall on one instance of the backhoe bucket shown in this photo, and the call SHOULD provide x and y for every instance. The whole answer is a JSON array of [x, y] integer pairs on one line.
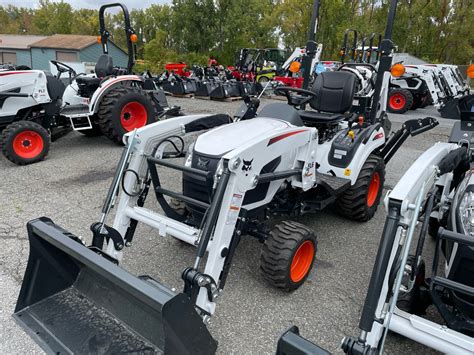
[[454, 108], [75, 301]]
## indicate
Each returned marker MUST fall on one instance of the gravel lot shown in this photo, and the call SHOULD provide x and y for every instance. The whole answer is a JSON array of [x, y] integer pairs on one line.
[[70, 185]]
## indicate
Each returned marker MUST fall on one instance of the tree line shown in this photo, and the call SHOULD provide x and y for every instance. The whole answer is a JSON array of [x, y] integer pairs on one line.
[[437, 31]]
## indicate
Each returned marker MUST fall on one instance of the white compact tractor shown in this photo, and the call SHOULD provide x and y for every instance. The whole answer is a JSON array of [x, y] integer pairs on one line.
[[36, 107], [287, 161], [439, 84], [410, 90]]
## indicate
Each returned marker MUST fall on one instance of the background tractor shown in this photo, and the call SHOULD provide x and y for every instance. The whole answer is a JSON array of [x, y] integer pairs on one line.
[[36, 107]]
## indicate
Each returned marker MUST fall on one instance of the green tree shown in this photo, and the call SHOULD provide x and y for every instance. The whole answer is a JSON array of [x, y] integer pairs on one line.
[[53, 17]]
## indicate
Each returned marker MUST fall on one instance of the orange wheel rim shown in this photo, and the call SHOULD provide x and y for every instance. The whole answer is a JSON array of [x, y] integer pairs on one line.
[[28, 144], [133, 116], [302, 261], [374, 188], [397, 101]]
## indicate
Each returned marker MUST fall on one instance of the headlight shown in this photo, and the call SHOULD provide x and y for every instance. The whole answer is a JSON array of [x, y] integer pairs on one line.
[[466, 212]]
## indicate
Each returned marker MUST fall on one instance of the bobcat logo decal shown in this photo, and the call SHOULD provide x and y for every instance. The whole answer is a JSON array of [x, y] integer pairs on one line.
[[247, 166], [202, 163]]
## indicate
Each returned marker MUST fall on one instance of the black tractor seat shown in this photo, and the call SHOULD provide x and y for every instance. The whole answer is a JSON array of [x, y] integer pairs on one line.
[[332, 102], [88, 81], [87, 85]]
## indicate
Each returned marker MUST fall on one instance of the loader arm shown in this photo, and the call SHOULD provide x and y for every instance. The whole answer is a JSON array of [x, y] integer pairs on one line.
[[233, 179], [402, 204]]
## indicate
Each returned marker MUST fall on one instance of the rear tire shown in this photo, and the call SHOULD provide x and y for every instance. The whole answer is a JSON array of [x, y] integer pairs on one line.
[[288, 255], [399, 100], [122, 110], [25, 142], [360, 201]]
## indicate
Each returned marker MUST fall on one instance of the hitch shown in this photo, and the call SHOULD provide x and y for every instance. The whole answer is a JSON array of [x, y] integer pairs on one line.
[[194, 280], [409, 128], [353, 346], [101, 232]]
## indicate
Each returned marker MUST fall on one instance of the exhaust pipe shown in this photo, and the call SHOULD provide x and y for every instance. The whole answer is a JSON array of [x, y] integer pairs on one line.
[[76, 300]]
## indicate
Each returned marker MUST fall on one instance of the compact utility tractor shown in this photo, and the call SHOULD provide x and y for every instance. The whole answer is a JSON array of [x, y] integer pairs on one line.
[[113, 101], [408, 92], [30, 101], [36, 107], [287, 161], [440, 85]]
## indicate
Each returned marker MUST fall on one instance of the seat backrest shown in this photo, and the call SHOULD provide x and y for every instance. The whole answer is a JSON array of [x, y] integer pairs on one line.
[[55, 87], [104, 66], [334, 91]]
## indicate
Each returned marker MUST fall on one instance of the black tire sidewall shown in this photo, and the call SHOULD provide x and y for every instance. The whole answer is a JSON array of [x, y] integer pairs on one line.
[[11, 131], [131, 96], [380, 168], [408, 100], [352, 203], [279, 251]]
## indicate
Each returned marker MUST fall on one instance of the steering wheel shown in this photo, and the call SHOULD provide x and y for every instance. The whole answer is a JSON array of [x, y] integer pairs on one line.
[[63, 68], [302, 97]]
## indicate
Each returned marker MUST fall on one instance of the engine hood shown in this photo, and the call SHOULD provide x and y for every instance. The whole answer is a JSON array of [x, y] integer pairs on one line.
[[223, 139]]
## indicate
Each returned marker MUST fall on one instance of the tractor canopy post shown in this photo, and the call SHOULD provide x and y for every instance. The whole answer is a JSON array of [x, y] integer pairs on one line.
[[311, 46], [385, 63], [129, 32]]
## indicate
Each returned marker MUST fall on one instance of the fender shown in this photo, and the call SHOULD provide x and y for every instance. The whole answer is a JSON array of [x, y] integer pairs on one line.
[[363, 152], [374, 142], [106, 86]]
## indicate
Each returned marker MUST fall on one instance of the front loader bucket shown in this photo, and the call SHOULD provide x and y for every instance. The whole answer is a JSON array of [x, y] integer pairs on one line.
[[75, 301], [206, 88], [226, 90], [454, 108], [174, 87]]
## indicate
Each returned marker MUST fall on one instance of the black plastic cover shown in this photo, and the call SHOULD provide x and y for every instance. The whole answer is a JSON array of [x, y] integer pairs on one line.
[[458, 158], [291, 343], [283, 112]]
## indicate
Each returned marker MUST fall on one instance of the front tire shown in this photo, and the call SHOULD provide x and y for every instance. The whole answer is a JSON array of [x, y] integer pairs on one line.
[[25, 142], [399, 100], [288, 255], [122, 110], [360, 201]]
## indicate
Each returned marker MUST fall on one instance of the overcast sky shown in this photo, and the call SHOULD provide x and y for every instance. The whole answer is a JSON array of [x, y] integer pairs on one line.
[[91, 4]]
